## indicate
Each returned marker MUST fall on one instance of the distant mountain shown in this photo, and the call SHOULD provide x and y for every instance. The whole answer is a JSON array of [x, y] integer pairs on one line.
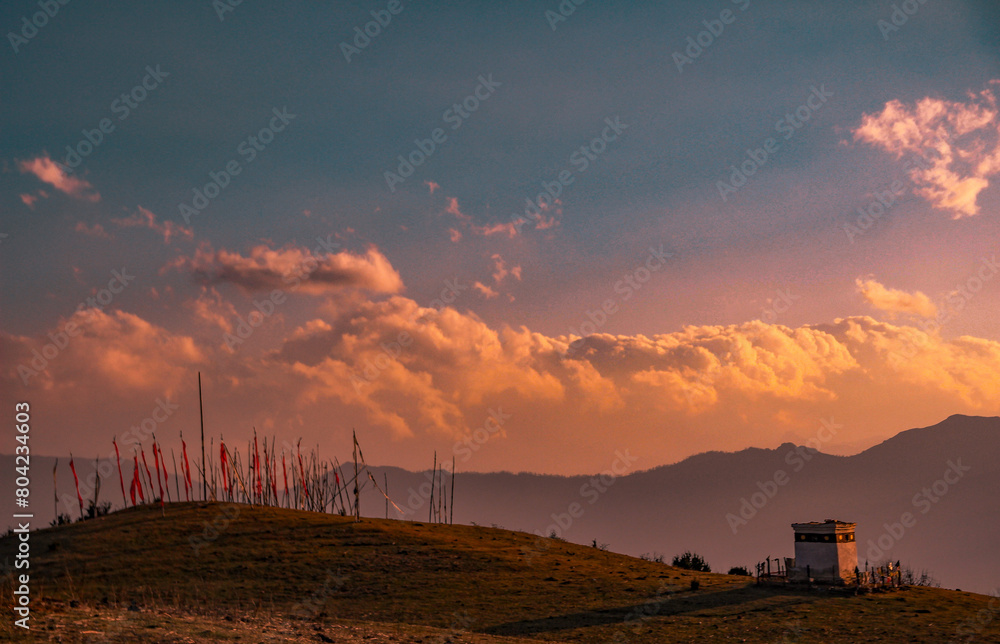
[[733, 508]]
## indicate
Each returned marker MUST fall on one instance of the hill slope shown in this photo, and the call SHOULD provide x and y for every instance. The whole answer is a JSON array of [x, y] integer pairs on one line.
[[686, 505], [321, 569]]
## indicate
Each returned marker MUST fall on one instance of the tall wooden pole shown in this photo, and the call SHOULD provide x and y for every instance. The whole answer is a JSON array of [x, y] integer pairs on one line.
[[201, 413], [357, 508], [385, 478], [451, 518], [430, 506]]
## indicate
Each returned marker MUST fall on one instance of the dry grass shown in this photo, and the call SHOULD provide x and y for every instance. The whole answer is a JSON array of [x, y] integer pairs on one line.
[[303, 571]]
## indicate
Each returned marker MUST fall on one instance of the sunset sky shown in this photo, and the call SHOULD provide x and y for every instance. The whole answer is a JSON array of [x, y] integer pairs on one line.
[[368, 194]]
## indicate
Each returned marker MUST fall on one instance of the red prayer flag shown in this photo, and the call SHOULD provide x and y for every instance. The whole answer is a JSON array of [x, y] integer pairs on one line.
[[149, 477], [156, 466], [187, 471], [284, 471], [136, 483], [225, 475], [166, 477], [121, 479], [77, 481]]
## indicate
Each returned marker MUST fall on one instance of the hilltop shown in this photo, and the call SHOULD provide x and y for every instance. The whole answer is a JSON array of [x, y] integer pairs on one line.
[[261, 572]]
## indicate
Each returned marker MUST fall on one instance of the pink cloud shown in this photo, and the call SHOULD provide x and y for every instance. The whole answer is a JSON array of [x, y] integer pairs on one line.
[[293, 268], [509, 229], [146, 219], [488, 292], [433, 186], [96, 230], [47, 170], [958, 142]]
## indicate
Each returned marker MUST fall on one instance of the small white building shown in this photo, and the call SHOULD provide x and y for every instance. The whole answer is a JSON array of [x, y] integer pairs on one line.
[[824, 552]]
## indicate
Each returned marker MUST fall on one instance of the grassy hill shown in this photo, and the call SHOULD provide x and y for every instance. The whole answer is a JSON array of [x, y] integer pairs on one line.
[[221, 571]]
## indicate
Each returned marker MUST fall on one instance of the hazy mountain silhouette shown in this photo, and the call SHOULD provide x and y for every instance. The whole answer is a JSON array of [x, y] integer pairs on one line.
[[682, 506]]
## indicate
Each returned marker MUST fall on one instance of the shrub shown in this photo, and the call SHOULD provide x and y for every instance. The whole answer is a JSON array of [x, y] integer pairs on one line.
[[739, 570], [691, 561]]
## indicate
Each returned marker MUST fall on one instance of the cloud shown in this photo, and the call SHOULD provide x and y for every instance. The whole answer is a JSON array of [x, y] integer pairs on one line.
[[113, 351], [487, 291], [509, 229], [500, 270], [957, 143], [47, 170], [432, 186], [292, 267], [410, 376], [146, 219], [210, 308], [96, 230], [895, 300]]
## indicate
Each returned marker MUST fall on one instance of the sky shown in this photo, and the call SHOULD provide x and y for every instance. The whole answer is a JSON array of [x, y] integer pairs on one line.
[[525, 235]]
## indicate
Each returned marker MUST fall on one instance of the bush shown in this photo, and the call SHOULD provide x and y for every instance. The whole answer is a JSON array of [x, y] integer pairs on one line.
[[62, 519], [691, 561], [739, 570], [655, 557]]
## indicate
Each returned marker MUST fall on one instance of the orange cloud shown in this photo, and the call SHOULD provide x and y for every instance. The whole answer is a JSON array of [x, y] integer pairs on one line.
[[47, 170], [209, 307], [959, 143], [895, 300], [416, 379], [488, 292]]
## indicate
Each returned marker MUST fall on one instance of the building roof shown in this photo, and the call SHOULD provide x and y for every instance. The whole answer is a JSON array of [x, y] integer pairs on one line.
[[829, 526]]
